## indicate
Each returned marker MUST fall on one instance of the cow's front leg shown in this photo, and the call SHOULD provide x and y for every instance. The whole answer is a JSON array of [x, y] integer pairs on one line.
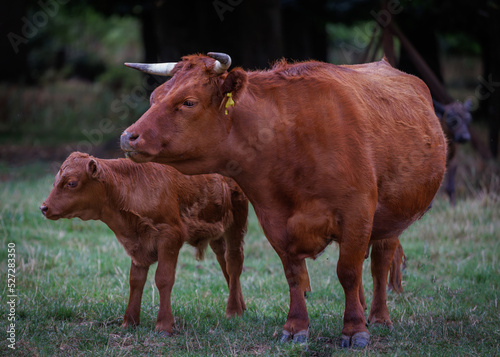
[[297, 323], [168, 252], [349, 271], [137, 279]]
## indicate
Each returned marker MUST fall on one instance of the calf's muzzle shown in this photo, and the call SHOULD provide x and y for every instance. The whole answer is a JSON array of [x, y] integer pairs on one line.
[[44, 209]]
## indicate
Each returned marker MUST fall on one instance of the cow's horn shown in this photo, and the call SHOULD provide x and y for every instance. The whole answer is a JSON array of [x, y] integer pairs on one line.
[[222, 61], [161, 69]]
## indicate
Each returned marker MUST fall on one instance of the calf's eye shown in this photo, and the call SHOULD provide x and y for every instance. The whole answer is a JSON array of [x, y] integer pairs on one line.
[[72, 184]]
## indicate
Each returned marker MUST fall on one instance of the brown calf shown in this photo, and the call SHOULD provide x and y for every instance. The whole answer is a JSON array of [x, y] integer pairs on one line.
[[153, 210], [325, 153]]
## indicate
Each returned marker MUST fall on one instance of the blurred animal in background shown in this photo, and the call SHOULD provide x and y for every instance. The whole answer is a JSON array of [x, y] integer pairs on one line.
[[455, 119], [153, 210]]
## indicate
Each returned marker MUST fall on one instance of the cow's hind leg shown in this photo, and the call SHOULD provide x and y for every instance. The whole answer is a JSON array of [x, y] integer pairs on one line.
[[381, 260]]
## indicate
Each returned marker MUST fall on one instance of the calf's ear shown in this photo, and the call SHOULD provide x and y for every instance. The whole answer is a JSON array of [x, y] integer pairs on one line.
[[234, 82], [93, 169]]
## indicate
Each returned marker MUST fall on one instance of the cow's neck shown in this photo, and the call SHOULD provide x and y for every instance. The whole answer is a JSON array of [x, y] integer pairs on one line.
[[250, 146]]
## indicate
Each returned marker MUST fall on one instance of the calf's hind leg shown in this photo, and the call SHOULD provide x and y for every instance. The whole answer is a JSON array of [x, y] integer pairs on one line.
[[137, 279], [231, 263]]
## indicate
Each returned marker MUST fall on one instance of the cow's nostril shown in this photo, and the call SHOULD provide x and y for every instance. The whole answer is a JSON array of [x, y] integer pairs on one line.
[[44, 209], [127, 139]]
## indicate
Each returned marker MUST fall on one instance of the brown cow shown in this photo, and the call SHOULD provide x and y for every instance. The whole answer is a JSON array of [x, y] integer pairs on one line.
[[325, 153], [153, 210]]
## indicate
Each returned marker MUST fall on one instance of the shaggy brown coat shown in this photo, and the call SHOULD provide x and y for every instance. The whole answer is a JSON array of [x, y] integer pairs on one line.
[[153, 210]]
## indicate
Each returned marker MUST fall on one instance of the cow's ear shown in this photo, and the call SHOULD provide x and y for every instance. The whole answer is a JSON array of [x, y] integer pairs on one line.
[[234, 83], [93, 169]]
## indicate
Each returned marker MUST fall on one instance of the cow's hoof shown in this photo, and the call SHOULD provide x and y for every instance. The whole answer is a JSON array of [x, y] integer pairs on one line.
[[301, 337], [345, 341], [358, 340], [285, 336]]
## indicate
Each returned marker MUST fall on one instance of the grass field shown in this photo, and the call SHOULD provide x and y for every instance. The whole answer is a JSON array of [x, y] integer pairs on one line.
[[72, 288]]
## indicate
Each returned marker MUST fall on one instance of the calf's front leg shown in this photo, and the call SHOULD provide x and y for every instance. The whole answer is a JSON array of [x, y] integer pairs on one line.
[[137, 279], [168, 252]]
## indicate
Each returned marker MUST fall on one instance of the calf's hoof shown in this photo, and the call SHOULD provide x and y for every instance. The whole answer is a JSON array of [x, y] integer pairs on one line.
[[358, 340], [383, 322], [125, 324], [300, 337], [163, 333]]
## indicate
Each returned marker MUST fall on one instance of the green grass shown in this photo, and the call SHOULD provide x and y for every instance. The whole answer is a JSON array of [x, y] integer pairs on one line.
[[72, 287]]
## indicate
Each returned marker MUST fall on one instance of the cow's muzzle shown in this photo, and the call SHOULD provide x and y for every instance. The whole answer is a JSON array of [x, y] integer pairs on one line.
[[127, 141]]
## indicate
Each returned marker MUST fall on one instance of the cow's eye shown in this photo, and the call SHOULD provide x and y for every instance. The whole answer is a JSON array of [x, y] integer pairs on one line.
[[189, 103], [72, 184]]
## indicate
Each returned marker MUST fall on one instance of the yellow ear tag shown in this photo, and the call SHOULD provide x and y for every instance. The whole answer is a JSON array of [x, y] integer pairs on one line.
[[230, 101]]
